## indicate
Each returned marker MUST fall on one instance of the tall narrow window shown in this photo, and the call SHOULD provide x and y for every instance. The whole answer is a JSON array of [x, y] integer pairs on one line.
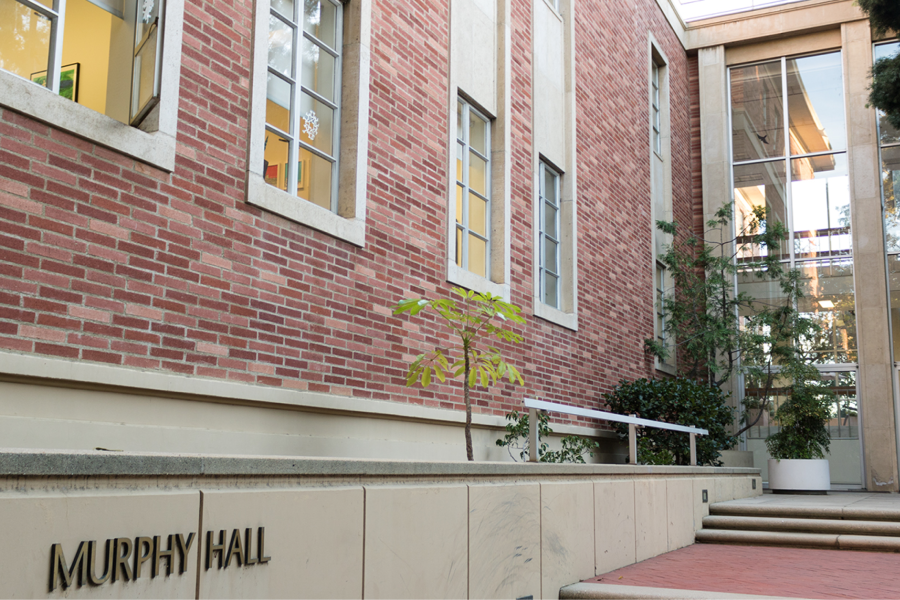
[[303, 99], [115, 47], [661, 335], [473, 189], [656, 140], [549, 236]]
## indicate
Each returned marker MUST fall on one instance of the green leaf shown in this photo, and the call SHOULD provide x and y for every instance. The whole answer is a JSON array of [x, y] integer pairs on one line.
[[426, 377]]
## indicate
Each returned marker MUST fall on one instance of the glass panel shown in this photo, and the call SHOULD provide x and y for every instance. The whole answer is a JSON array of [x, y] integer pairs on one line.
[[759, 185], [24, 41], [281, 46], [318, 70], [477, 255], [147, 19], [319, 20], [820, 197], [844, 421], [890, 182], [276, 160], [477, 133], [894, 290], [550, 220], [459, 245], [460, 151], [459, 204], [477, 215], [757, 112], [477, 174], [551, 290], [816, 104], [550, 181], [459, 121], [285, 7], [145, 72], [550, 255], [314, 177], [889, 134], [278, 103], [828, 298], [316, 124]]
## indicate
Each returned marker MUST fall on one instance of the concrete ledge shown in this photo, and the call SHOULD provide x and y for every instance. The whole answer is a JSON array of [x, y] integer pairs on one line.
[[603, 590], [31, 463]]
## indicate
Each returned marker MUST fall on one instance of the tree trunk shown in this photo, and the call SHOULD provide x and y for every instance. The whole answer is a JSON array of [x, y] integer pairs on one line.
[[469, 453]]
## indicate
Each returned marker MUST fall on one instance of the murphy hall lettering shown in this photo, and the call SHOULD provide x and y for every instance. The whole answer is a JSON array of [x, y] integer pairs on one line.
[[127, 560]]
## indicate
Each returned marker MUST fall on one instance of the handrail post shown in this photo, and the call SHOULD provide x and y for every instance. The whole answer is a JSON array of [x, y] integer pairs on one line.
[[693, 449], [532, 435], [632, 443]]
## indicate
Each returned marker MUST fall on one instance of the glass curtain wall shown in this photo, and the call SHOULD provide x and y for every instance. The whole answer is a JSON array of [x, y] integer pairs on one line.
[[890, 186], [789, 144]]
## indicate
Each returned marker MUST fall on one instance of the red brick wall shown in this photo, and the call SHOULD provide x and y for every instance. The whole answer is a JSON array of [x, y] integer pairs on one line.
[[107, 260]]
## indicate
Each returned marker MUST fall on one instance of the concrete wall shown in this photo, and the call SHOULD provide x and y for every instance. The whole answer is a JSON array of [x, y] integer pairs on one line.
[[342, 528]]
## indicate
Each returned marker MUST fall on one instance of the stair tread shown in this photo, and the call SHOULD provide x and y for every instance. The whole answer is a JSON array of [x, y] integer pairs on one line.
[[784, 524], [808, 511], [874, 543]]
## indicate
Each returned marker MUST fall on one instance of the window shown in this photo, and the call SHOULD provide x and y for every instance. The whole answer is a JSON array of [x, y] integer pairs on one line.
[[303, 100], [309, 114], [789, 143], [103, 55], [661, 288], [655, 109], [549, 256], [105, 44], [473, 190]]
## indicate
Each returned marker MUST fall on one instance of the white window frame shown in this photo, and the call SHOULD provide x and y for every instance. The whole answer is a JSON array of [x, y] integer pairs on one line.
[[347, 221], [546, 237], [655, 108], [153, 143], [462, 228]]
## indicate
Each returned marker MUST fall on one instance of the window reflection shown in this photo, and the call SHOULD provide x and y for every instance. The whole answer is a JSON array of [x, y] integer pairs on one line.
[[820, 198], [757, 112], [816, 104], [888, 133], [758, 185]]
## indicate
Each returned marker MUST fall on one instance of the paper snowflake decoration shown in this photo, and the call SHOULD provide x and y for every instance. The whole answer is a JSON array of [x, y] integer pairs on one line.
[[147, 10], [311, 125]]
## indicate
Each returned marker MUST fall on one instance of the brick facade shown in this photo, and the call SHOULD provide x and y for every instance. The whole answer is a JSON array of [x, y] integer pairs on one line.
[[105, 259]]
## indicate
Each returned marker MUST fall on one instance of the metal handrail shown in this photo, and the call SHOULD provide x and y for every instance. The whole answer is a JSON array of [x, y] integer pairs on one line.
[[633, 423]]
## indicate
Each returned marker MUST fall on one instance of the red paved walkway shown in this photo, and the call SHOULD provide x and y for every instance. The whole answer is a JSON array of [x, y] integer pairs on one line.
[[793, 572]]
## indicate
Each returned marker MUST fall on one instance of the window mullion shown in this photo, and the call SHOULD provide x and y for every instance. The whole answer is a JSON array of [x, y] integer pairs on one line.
[[465, 195], [788, 176], [294, 146], [57, 27]]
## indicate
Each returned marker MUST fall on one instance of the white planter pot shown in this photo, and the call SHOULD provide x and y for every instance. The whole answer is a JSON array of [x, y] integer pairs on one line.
[[799, 475]]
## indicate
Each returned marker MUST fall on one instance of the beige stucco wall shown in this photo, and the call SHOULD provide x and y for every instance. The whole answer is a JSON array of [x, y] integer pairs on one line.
[[344, 528]]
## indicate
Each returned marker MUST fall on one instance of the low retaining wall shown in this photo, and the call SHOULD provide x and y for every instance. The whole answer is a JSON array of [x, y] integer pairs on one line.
[[268, 527]]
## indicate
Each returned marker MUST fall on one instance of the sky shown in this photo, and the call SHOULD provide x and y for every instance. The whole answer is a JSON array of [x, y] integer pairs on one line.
[[692, 10]]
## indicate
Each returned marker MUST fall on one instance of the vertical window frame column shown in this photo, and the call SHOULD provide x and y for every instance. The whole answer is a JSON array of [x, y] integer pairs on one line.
[[462, 227], [546, 237]]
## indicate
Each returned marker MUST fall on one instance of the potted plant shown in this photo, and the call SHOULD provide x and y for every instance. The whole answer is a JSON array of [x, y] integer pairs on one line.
[[798, 462]]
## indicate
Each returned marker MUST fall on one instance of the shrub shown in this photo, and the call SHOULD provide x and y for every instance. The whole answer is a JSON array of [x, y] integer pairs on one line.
[[678, 401], [573, 447]]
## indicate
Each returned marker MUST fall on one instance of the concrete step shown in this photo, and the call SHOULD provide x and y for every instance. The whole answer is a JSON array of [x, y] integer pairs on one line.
[[586, 590], [887, 512], [870, 543], [828, 526]]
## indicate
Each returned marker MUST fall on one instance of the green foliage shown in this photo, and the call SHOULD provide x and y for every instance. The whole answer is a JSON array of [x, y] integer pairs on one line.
[[472, 318], [703, 316], [884, 15], [885, 90], [680, 401], [573, 447]]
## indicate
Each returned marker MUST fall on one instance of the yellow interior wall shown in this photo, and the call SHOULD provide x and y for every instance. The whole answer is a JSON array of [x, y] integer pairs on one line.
[[23, 51], [86, 41]]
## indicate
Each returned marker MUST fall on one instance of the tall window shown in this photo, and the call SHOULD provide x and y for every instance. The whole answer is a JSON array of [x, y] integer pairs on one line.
[[661, 286], [103, 55], [656, 141], [789, 146], [303, 99], [890, 185], [473, 190], [549, 236]]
